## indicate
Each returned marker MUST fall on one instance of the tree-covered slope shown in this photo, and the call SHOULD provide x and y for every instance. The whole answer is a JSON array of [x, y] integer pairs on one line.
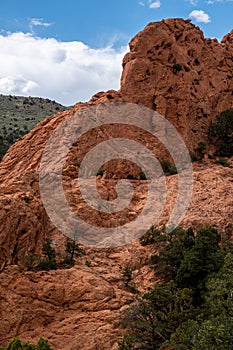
[[18, 115]]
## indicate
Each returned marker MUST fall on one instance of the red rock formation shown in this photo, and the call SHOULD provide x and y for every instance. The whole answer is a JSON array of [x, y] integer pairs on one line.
[[80, 308]]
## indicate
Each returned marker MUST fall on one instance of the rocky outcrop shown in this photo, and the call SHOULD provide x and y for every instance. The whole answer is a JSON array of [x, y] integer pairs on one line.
[[80, 308], [189, 98]]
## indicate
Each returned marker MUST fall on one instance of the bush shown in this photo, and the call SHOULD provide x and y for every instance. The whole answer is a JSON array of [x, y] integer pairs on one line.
[[131, 177], [49, 260], [201, 260], [200, 150], [100, 172], [43, 345], [31, 261], [170, 316], [176, 68], [142, 176], [150, 236], [168, 167], [127, 275], [72, 250], [221, 133], [172, 252], [26, 199], [223, 162], [15, 344]]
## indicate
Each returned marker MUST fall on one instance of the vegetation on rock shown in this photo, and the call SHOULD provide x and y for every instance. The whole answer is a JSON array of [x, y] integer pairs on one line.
[[16, 344], [191, 308], [221, 133], [50, 260]]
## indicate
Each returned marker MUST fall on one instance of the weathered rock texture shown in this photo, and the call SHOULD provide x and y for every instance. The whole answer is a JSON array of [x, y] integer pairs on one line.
[[79, 308]]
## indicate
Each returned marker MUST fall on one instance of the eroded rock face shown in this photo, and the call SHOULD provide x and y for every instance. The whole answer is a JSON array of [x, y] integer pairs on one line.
[[80, 308], [77, 308]]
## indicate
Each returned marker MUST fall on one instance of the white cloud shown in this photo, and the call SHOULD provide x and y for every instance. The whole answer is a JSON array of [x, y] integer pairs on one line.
[[141, 3], [11, 84], [39, 22], [154, 4], [200, 16], [65, 71]]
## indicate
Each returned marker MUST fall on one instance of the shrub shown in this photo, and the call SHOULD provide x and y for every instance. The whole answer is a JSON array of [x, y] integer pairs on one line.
[[172, 252], [72, 250], [31, 261], [15, 344], [168, 167], [125, 343], [176, 68], [223, 162], [150, 236], [127, 275], [43, 345], [100, 172], [170, 316], [221, 132], [200, 150], [131, 177], [201, 260], [26, 199], [143, 176], [49, 260], [88, 263]]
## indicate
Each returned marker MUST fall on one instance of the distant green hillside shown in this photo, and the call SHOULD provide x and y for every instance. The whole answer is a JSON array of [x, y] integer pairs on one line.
[[18, 115]]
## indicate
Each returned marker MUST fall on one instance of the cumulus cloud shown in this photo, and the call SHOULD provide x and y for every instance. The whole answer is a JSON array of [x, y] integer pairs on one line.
[[154, 4], [12, 84], [200, 16], [65, 71]]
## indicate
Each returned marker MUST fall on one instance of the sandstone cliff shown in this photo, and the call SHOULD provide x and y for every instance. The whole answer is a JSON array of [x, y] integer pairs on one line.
[[79, 308]]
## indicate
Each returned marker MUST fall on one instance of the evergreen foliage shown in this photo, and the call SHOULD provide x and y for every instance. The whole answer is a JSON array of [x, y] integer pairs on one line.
[[192, 307], [221, 133], [16, 344]]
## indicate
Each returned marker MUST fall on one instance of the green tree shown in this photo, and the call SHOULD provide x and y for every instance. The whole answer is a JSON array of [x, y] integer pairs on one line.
[[15, 344], [204, 258], [72, 250], [28, 346], [48, 262], [171, 253], [127, 275], [214, 328], [125, 343], [192, 308], [200, 150], [176, 68], [154, 318], [221, 132], [43, 344], [150, 237], [168, 167]]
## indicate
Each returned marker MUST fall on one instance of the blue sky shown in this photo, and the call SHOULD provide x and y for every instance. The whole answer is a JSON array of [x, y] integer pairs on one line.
[[67, 50]]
